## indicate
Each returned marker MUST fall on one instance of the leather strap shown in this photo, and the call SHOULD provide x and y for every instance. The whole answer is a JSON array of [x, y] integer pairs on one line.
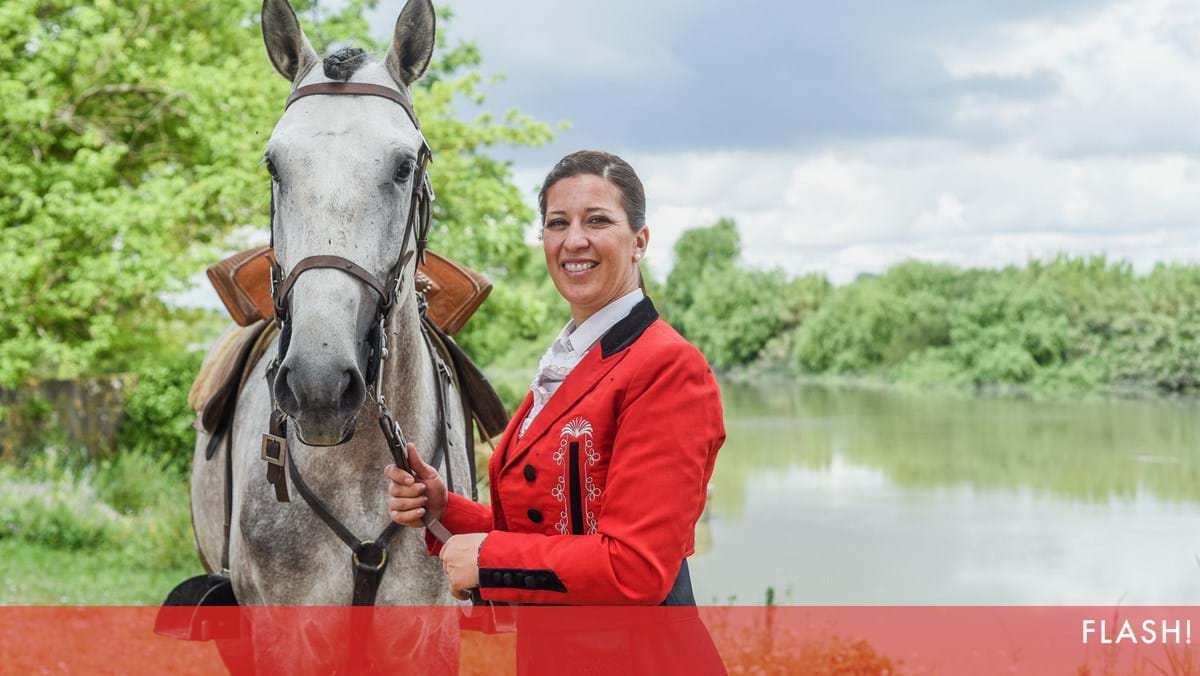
[[469, 418], [228, 497], [355, 89], [369, 558], [338, 263], [274, 452]]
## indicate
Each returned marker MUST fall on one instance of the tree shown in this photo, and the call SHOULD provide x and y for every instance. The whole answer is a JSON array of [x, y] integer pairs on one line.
[[697, 251], [731, 313], [132, 139]]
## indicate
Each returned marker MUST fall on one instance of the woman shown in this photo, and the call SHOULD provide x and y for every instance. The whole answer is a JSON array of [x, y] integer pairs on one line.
[[601, 475]]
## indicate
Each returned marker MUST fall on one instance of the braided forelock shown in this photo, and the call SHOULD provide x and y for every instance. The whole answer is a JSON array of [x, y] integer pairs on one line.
[[343, 63]]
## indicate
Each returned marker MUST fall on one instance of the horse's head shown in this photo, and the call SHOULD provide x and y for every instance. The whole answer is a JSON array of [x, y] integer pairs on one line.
[[343, 170]]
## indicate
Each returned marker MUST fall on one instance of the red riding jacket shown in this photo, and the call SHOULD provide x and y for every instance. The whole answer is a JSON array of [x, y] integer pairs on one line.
[[597, 503]]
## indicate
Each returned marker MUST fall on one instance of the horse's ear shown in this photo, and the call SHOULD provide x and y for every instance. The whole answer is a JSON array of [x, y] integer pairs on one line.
[[412, 43], [289, 50]]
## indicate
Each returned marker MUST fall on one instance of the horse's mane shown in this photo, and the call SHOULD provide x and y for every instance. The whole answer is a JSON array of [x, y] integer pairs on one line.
[[343, 63]]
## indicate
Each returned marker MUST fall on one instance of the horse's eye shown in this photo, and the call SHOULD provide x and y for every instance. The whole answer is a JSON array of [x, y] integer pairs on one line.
[[404, 171], [271, 170]]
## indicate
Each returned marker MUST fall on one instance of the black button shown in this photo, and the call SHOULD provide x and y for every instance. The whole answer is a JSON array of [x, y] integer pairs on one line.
[[508, 579], [535, 516], [530, 473], [531, 582]]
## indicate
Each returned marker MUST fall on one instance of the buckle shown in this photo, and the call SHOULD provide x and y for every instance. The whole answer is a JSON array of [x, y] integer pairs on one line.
[[274, 449]]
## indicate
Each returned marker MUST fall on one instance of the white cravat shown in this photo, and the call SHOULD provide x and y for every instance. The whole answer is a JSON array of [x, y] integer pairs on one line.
[[569, 348]]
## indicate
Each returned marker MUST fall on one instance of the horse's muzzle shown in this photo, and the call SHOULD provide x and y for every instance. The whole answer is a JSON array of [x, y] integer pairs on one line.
[[324, 403]]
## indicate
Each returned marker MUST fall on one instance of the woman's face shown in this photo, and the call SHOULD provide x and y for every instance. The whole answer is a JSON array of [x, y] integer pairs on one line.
[[591, 251]]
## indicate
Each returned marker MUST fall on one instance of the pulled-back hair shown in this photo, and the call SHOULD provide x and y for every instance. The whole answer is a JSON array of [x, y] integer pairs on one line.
[[609, 167]]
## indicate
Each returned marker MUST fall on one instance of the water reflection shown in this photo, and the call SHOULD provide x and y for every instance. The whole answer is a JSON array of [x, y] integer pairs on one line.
[[835, 495], [1092, 451]]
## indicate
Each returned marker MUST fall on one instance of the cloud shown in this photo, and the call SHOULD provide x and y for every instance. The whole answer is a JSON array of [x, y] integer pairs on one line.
[[1126, 80], [863, 208], [672, 76], [845, 137]]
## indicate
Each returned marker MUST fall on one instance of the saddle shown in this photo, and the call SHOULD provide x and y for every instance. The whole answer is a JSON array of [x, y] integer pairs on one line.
[[452, 292]]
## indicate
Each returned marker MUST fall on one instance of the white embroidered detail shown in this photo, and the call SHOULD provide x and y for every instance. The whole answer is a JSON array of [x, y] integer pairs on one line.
[[577, 428], [593, 491], [560, 488]]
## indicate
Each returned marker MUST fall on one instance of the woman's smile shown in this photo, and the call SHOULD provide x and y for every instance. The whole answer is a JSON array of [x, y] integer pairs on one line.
[[579, 268]]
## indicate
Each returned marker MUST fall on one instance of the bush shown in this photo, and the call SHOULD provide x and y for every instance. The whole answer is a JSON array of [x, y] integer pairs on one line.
[[158, 420], [1069, 323], [136, 504], [64, 512]]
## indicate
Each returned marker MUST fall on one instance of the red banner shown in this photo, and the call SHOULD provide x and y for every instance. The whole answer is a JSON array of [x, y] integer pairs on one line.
[[747, 640]]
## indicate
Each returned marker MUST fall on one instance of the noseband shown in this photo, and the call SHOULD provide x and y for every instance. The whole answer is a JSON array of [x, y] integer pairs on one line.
[[369, 558]]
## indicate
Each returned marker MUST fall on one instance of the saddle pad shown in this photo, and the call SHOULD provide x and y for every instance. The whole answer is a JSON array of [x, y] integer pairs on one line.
[[453, 292], [222, 376], [219, 365]]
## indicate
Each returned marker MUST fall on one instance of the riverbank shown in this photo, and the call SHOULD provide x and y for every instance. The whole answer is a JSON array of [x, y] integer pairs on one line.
[[782, 374]]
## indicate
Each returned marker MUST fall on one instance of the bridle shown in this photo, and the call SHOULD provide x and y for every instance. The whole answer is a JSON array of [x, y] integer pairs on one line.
[[388, 291], [369, 558]]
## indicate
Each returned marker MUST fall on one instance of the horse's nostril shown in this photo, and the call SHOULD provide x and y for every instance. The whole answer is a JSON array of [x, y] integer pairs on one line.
[[285, 396], [354, 392]]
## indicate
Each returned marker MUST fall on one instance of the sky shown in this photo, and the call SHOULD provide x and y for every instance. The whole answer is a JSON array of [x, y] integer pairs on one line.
[[845, 137]]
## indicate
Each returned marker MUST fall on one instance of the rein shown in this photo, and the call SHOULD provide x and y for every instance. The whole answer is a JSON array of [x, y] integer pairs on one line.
[[369, 557]]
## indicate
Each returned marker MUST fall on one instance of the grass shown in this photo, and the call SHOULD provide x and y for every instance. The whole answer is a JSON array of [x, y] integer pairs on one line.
[[75, 532], [37, 574]]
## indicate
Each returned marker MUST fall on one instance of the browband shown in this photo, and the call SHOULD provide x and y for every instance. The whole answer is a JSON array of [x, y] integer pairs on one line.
[[356, 89]]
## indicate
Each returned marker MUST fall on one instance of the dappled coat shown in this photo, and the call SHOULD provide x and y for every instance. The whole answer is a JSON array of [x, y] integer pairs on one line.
[[597, 503]]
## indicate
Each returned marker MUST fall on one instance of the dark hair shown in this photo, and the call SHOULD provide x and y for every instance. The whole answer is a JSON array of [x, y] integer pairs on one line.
[[609, 167]]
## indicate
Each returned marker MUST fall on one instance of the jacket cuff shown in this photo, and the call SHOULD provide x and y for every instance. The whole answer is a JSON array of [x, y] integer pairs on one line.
[[503, 577]]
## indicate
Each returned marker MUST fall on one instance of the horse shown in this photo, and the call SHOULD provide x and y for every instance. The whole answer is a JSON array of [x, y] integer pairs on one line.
[[342, 172]]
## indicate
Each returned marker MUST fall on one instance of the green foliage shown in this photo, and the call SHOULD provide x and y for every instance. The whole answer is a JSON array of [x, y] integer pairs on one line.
[[43, 505], [731, 313], [1066, 324], [735, 312], [700, 251], [158, 420], [133, 133], [119, 169]]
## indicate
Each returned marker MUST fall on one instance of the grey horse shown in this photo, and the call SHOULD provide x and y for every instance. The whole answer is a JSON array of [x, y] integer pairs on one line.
[[339, 189]]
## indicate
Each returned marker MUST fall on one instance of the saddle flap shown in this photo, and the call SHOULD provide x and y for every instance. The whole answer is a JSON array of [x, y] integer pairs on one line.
[[239, 297], [252, 277], [456, 292]]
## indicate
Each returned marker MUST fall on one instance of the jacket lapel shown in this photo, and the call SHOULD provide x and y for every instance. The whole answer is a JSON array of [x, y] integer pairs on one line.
[[582, 379], [595, 365], [509, 438]]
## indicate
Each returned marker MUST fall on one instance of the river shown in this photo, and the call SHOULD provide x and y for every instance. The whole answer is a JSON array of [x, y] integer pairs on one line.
[[839, 495]]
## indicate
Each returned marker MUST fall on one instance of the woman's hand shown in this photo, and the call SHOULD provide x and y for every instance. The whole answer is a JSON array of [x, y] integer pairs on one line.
[[460, 560], [411, 496]]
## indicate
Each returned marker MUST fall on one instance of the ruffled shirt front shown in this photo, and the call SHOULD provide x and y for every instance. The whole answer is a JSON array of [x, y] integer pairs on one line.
[[569, 348]]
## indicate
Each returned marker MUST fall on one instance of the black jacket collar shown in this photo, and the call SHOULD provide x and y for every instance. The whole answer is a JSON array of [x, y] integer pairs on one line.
[[624, 332]]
